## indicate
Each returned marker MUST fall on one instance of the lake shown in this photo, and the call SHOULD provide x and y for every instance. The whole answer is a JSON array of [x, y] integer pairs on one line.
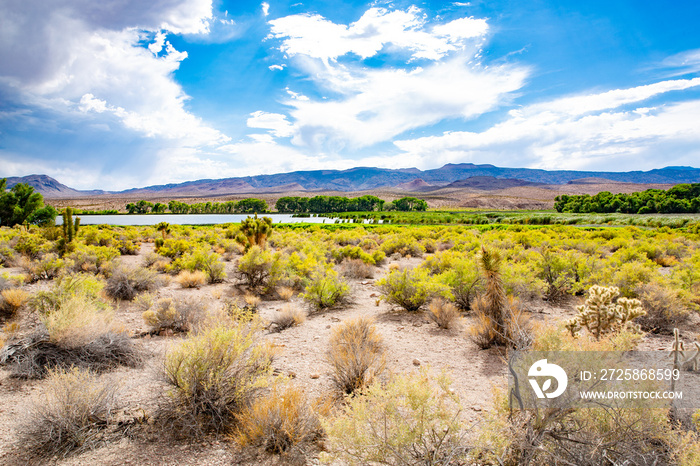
[[188, 219]]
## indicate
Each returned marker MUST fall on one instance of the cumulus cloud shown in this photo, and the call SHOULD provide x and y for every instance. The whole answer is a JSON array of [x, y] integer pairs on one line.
[[316, 37], [369, 105], [596, 131], [275, 122], [106, 59]]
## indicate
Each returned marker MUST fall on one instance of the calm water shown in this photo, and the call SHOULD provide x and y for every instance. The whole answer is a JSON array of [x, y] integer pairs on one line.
[[187, 219]]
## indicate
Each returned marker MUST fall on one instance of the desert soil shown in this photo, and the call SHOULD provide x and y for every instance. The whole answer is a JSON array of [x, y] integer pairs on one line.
[[412, 341]]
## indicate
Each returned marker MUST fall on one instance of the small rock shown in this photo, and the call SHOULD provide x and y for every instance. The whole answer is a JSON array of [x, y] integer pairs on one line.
[[416, 362], [328, 326], [399, 329], [292, 375], [315, 376], [335, 319], [417, 324], [474, 408], [373, 295]]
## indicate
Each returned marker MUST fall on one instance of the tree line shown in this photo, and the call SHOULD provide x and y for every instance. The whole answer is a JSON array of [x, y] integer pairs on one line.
[[22, 204], [334, 204], [682, 198], [244, 206]]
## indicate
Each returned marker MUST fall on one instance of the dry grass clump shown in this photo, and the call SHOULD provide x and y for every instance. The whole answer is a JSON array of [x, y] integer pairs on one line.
[[282, 422], [356, 268], [77, 330], [286, 293], [443, 313], [413, 420], [125, 284], [194, 279], [12, 300], [178, 315], [71, 415], [289, 316], [665, 310], [356, 355], [215, 376], [251, 301]]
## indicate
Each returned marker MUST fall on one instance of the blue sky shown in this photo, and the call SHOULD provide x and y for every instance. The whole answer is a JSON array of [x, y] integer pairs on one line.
[[120, 93]]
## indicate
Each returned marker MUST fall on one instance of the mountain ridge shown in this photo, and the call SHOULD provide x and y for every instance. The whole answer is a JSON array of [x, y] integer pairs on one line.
[[368, 178]]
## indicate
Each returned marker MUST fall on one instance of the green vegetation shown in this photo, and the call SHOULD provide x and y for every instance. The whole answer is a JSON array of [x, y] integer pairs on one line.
[[682, 198], [335, 204], [22, 204], [244, 206]]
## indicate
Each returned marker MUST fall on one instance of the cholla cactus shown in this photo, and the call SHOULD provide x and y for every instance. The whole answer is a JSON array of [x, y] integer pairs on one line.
[[601, 315]]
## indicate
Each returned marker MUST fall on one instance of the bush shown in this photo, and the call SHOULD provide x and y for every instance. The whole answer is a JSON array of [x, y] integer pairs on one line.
[[214, 377], [125, 284], [601, 315], [325, 290], [45, 268], [72, 414], [443, 313], [412, 420], [280, 422], [12, 300], [356, 355], [355, 268], [410, 288], [188, 279], [288, 317], [174, 314], [665, 309], [259, 268], [205, 261], [77, 333]]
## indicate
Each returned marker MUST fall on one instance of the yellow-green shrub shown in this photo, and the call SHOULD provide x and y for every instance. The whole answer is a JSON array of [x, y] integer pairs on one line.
[[411, 288], [325, 289], [412, 420], [215, 376], [260, 268]]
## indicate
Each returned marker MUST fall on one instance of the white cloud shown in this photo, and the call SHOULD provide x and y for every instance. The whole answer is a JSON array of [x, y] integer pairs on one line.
[[317, 37], [371, 105], [570, 133], [276, 67], [265, 8], [275, 122]]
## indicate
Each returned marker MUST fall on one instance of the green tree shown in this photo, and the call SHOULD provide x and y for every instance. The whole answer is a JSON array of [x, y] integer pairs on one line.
[[19, 203]]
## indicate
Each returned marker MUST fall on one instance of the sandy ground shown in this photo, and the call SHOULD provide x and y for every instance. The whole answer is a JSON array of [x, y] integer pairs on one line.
[[412, 340]]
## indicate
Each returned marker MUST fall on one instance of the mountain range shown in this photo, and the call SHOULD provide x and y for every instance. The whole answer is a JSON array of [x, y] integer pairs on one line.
[[462, 175]]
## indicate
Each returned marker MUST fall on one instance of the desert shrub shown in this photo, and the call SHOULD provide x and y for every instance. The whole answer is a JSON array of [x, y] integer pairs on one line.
[[443, 313], [215, 376], [188, 279], [325, 289], [520, 279], [356, 268], [179, 315], [558, 338], [12, 300], [665, 309], [151, 258], [71, 415], [562, 271], [288, 316], [282, 422], [463, 279], [410, 288], [85, 286], [259, 268], [76, 332], [566, 435], [601, 314], [125, 283], [412, 420], [403, 244], [285, 293], [92, 259], [173, 248], [356, 355], [45, 268], [205, 261]]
